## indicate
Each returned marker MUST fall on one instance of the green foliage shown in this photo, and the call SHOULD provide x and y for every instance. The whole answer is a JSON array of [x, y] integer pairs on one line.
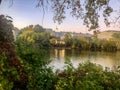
[[7, 74], [68, 40], [53, 41], [35, 63], [38, 28], [116, 35], [88, 76], [40, 76], [33, 37], [93, 43], [11, 70], [6, 28]]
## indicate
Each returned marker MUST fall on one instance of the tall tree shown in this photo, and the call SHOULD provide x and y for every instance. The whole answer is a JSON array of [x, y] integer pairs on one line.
[[7, 49]]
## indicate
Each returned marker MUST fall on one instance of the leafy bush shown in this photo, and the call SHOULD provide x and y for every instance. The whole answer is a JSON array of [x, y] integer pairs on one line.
[[88, 76], [40, 76], [6, 74]]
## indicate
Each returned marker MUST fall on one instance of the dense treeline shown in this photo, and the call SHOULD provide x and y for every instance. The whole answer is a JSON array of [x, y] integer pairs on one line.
[[38, 37]]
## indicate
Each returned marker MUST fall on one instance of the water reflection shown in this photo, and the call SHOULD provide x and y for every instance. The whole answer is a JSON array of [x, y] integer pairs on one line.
[[106, 59]]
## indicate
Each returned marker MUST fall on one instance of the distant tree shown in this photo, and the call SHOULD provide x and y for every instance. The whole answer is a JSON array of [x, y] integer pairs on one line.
[[43, 40], [68, 40], [116, 35], [53, 41], [38, 28], [76, 43], [34, 37]]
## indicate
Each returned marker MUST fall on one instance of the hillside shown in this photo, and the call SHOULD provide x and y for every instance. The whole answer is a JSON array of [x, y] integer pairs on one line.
[[107, 34]]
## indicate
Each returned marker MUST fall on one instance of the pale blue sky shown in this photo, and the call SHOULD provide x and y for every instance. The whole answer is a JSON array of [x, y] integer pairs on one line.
[[24, 12]]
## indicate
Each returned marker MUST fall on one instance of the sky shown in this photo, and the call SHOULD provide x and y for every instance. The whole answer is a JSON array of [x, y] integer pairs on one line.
[[24, 13]]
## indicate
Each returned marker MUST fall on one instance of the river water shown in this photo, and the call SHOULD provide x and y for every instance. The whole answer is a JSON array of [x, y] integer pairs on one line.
[[106, 59]]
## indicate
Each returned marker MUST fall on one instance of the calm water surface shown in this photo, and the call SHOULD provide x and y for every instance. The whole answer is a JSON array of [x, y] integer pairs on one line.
[[106, 59]]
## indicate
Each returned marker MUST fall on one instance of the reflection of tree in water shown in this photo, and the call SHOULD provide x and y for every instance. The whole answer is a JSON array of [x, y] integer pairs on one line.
[[111, 55], [77, 53], [64, 53], [108, 59], [59, 54], [72, 52]]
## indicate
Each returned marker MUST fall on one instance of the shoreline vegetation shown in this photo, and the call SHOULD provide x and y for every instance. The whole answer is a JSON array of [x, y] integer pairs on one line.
[[38, 37], [86, 76], [23, 63]]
